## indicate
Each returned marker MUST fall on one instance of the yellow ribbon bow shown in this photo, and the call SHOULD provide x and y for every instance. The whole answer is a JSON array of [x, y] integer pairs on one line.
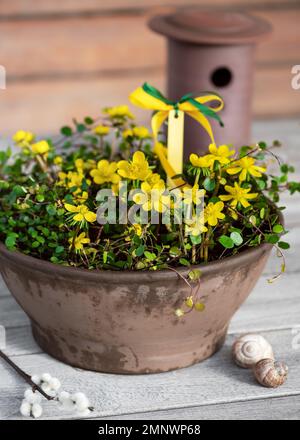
[[148, 97]]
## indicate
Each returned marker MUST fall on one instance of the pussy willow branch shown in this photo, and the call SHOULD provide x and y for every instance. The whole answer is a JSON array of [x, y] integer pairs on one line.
[[25, 376]]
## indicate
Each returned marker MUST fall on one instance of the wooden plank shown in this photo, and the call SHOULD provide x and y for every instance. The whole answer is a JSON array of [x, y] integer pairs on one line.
[[214, 381], [34, 7], [79, 45], [270, 306], [273, 93], [61, 48], [11, 314], [285, 130], [279, 408], [47, 105], [19, 341], [282, 46]]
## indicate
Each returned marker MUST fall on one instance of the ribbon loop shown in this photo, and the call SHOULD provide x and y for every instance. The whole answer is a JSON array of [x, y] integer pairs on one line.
[[198, 108]]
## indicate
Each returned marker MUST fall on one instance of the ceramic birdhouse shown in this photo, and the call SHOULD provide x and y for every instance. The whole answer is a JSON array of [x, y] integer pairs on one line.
[[213, 51]]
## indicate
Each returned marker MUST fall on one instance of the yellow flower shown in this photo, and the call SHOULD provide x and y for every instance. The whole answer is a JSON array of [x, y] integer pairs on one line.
[[89, 164], [119, 111], [220, 154], [194, 226], [138, 168], [245, 166], [152, 197], [81, 197], [74, 179], [81, 166], [62, 179], [58, 160], [101, 130], [212, 213], [201, 161], [139, 132], [137, 228], [127, 133], [105, 172], [238, 195], [82, 213], [23, 138], [40, 147], [79, 241], [193, 195], [154, 178]]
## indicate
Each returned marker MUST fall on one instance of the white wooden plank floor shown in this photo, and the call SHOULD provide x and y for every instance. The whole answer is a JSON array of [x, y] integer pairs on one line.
[[214, 389]]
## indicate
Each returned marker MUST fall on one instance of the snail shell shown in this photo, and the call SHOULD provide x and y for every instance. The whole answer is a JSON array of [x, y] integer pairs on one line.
[[270, 373], [251, 348]]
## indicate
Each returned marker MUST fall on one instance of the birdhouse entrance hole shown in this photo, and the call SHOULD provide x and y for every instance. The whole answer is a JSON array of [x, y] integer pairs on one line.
[[221, 77]]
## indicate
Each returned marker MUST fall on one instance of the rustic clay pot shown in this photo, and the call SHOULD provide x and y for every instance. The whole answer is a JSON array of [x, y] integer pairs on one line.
[[212, 50], [124, 322]]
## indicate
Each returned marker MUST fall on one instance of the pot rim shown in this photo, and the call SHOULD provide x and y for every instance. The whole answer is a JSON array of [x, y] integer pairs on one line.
[[115, 277]]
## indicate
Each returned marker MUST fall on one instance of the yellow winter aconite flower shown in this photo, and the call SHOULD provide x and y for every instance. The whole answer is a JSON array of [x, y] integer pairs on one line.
[[82, 165], [139, 132], [82, 213], [238, 195], [58, 160], [153, 179], [193, 195], [23, 138], [79, 241], [119, 111], [81, 197], [127, 133], [137, 169], [101, 130], [79, 165], [195, 226], [221, 154], [245, 166], [105, 172], [40, 147], [137, 229], [152, 197], [213, 213], [75, 179], [71, 179], [201, 161]]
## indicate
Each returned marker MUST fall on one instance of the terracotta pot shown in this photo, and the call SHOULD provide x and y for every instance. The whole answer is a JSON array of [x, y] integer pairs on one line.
[[212, 50], [124, 322]]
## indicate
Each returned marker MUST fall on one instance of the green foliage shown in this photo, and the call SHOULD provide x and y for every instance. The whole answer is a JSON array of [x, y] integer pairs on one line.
[[36, 188]]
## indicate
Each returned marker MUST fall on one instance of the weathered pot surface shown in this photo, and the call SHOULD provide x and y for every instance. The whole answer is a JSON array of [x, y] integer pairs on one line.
[[124, 322]]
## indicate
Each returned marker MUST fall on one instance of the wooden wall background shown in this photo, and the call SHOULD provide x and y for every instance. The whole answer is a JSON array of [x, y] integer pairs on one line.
[[72, 57]]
